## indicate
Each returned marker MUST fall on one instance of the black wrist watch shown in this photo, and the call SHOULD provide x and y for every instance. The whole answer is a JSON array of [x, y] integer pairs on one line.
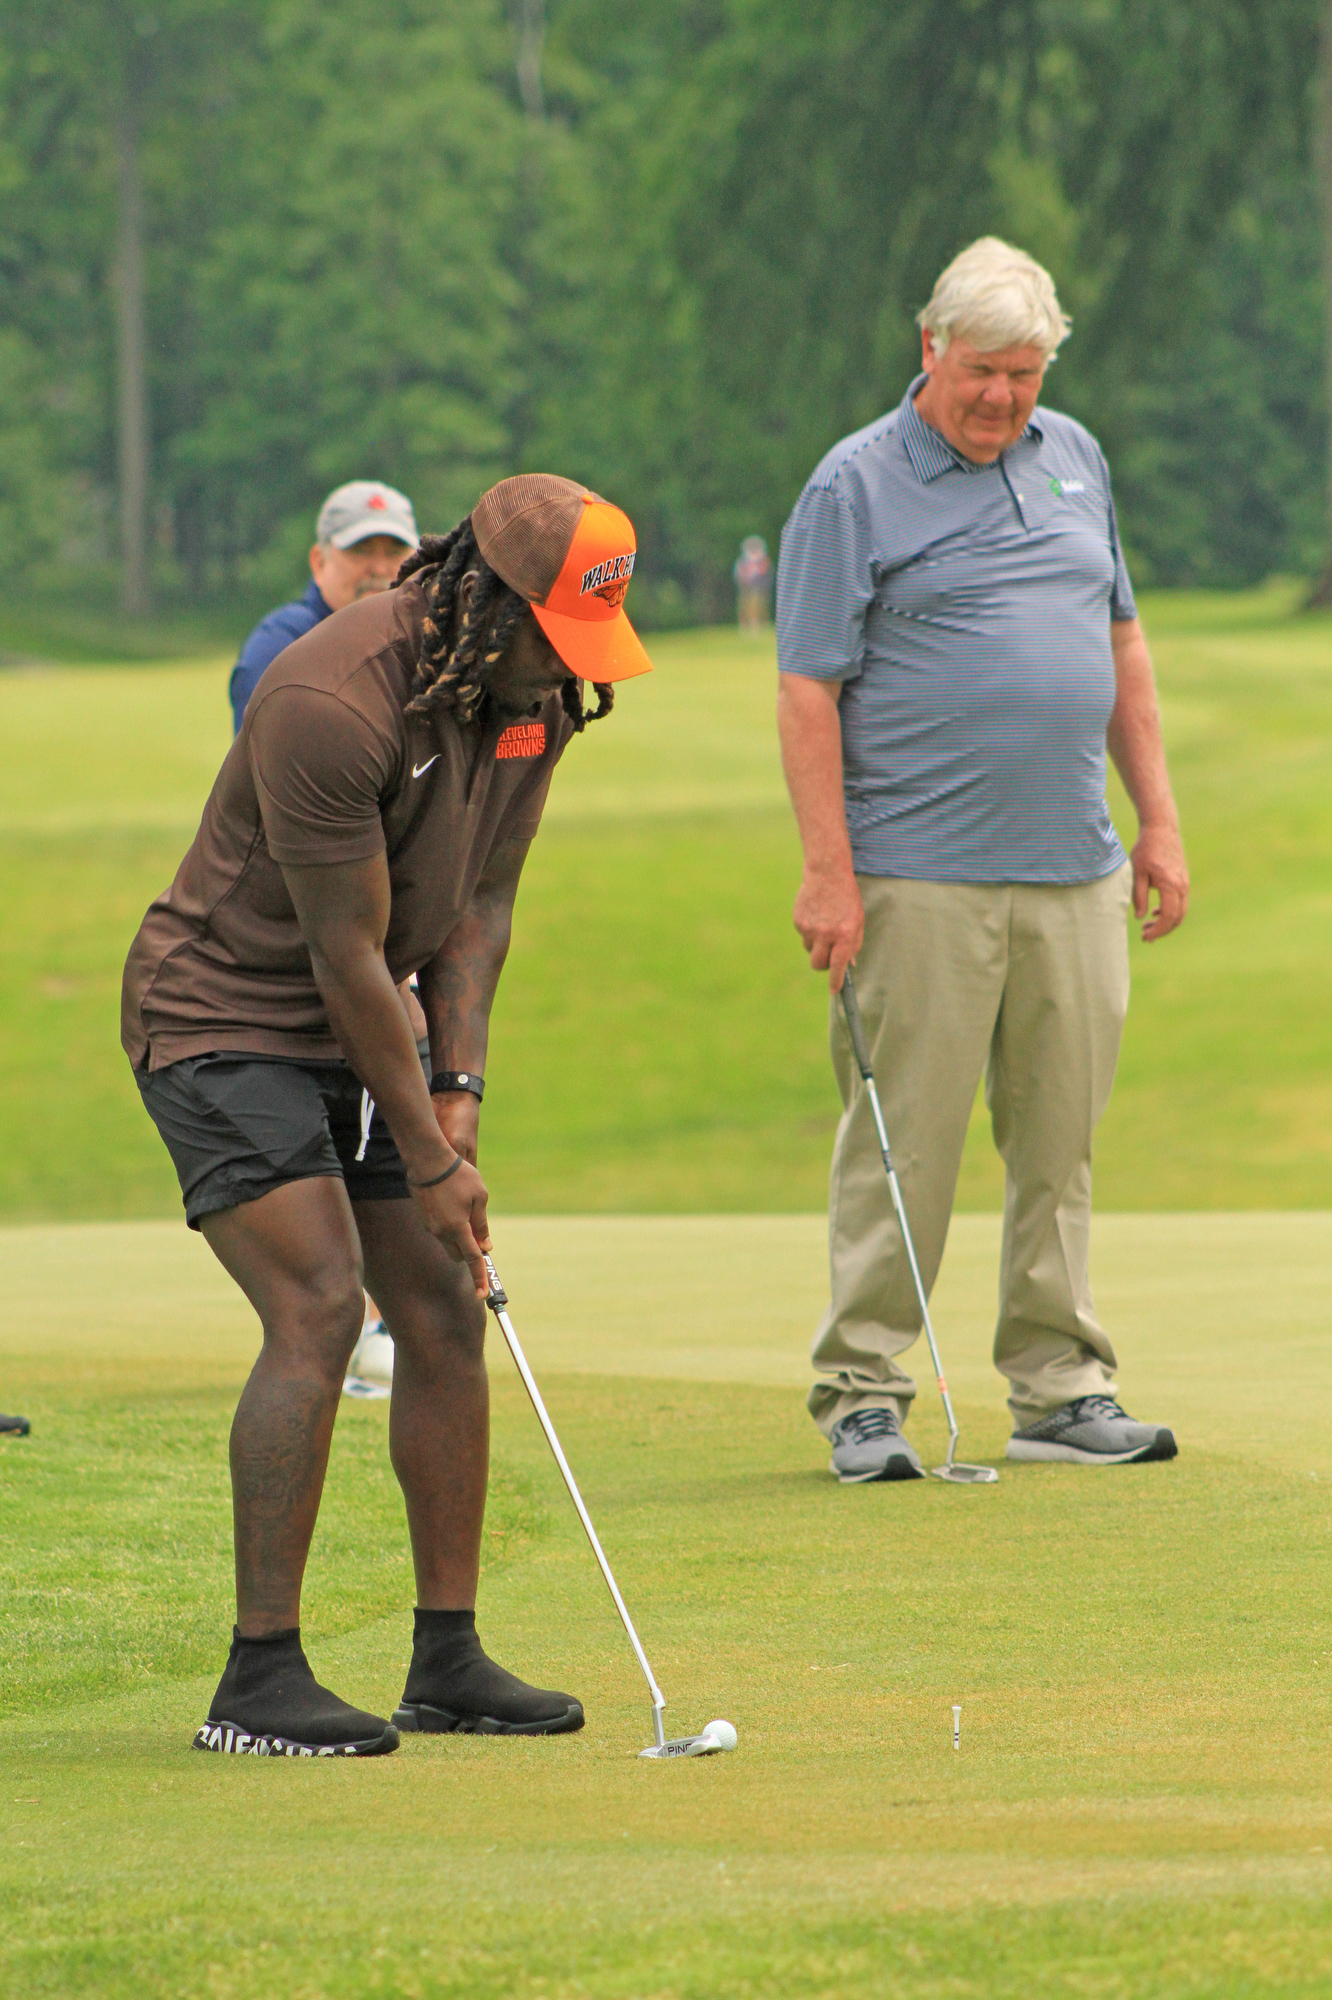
[[457, 1079]]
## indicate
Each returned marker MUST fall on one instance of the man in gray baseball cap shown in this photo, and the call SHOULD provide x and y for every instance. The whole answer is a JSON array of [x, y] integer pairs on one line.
[[365, 529]]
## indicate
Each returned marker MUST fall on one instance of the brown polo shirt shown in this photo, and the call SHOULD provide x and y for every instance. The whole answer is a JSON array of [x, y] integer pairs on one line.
[[326, 769]]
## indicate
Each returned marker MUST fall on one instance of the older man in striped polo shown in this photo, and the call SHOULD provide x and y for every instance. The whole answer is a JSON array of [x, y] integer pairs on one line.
[[958, 646]]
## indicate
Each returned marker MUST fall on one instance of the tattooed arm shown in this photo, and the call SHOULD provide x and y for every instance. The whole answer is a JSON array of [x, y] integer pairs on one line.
[[458, 986]]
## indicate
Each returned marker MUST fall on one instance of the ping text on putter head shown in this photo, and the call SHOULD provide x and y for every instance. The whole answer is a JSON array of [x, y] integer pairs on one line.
[[960, 1475], [705, 1745]]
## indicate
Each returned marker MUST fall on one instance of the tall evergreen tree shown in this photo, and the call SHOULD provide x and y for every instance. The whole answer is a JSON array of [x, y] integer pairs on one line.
[[353, 311], [1322, 160], [101, 97], [253, 247], [786, 177]]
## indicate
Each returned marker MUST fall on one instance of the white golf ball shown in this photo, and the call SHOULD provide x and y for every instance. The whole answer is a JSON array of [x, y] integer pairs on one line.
[[722, 1733]]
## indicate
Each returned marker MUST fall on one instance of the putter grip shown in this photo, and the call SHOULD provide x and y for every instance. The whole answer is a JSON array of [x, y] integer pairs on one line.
[[497, 1295], [856, 1027]]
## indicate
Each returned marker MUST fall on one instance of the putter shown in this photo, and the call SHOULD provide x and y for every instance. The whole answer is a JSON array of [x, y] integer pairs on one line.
[[961, 1475], [706, 1745]]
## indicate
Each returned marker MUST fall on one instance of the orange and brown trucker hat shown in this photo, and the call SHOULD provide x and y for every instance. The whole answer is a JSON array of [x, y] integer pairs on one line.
[[571, 555]]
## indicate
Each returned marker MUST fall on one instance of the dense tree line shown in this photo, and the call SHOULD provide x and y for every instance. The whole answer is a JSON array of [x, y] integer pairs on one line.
[[251, 247]]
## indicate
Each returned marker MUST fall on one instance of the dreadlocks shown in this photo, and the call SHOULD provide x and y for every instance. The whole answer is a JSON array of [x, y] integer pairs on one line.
[[452, 674], [573, 705]]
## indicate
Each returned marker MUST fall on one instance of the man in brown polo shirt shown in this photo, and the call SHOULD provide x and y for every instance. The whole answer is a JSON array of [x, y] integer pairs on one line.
[[370, 821]]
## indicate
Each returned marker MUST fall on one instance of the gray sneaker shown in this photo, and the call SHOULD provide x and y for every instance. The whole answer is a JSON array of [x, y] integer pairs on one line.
[[869, 1445], [1091, 1430]]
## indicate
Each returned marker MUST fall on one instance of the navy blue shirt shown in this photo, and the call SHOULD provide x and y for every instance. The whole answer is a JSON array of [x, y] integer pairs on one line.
[[271, 636], [966, 611]]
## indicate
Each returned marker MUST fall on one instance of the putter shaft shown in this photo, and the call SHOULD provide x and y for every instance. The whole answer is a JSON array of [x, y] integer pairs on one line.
[[498, 1300], [860, 1047]]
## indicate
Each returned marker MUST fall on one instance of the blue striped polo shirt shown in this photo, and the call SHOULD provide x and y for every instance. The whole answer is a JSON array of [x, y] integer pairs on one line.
[[966, 611]]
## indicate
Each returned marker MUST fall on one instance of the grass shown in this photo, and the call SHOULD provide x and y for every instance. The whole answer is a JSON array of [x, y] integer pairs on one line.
[[48, 627], [1142, 1805], [659, 1044]]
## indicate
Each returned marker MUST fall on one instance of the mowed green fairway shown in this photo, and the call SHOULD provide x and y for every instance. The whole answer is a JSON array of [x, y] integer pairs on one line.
[[1142, 1805], [659, 1043]]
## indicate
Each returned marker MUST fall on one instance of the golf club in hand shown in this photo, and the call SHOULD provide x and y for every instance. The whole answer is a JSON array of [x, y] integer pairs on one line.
[[718, 1735], [961, 1475]]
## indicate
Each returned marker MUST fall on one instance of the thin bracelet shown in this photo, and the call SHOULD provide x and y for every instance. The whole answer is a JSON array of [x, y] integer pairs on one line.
[[439, 1177]]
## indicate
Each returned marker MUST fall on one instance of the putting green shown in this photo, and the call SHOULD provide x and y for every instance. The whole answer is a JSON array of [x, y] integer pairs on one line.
[[1141, 1805]]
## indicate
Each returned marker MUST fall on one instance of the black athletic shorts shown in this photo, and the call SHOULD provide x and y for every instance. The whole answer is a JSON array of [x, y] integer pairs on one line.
[[237, 1126]]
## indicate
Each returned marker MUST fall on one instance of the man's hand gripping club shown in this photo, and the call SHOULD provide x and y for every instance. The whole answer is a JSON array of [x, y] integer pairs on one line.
[[343, 913]]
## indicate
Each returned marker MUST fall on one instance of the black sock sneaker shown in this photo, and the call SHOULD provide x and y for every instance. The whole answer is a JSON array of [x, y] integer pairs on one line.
[[269, 1704], [451, 1685]]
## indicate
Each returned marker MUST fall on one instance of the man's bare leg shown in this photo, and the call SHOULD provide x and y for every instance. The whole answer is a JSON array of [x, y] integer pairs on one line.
[[295, 1255], [439, 1422], [439, 1430]]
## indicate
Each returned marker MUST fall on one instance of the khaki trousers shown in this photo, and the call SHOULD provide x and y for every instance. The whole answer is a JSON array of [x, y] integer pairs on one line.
[[1029, 983]]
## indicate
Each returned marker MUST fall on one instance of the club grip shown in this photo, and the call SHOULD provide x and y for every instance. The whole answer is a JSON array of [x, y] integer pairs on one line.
[[855, 1026], [497, 1295]]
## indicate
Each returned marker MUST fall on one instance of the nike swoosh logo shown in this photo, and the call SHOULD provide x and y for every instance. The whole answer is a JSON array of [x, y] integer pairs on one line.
[[419, 770]]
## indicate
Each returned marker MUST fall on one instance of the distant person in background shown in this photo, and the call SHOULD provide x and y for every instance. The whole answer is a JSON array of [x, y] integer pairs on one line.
[[364, 530], [959, 648], [753, 584]]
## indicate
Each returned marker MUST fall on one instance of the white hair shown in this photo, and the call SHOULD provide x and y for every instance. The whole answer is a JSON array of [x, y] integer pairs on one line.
[[995, 297]]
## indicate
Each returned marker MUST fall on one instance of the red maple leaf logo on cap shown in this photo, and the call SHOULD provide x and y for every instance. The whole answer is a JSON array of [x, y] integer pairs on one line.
[[376, 500]]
